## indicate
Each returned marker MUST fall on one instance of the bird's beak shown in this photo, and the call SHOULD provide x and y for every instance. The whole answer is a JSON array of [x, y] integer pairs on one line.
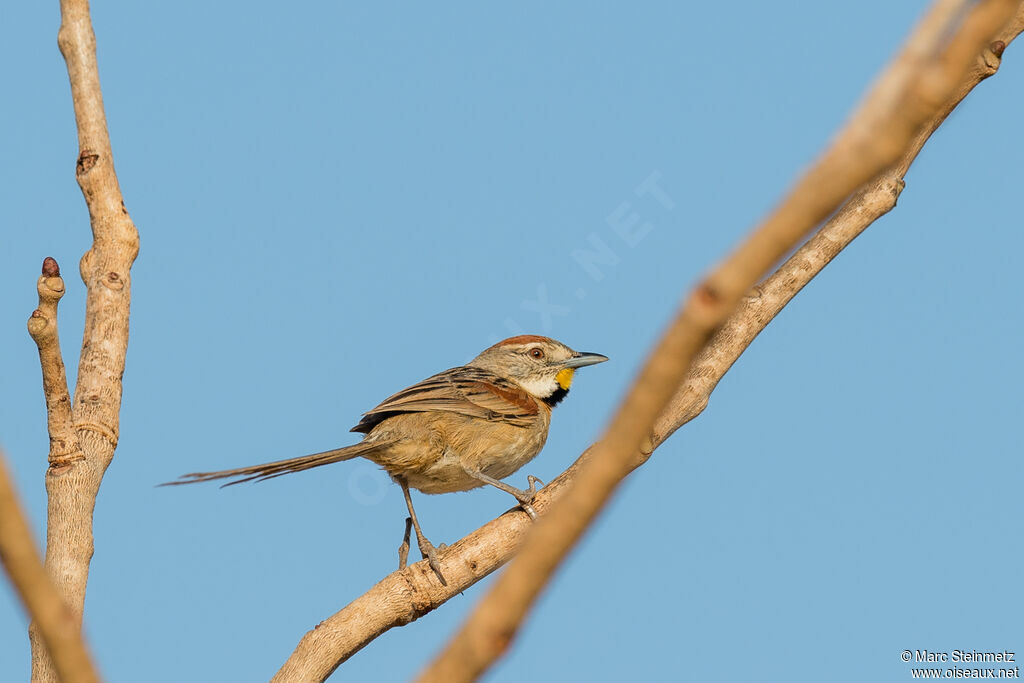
[[581, 360]]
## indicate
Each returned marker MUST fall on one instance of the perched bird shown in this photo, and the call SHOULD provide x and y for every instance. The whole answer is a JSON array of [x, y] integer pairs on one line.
[[460, 429]]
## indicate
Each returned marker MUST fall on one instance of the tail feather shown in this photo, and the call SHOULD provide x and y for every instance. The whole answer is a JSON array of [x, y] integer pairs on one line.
[[276, 469]]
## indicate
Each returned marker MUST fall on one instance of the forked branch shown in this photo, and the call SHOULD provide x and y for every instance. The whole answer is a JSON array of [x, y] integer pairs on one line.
[[83, 442]]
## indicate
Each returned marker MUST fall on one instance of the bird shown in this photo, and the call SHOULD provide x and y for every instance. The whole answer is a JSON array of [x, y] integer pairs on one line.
[[469, 426]]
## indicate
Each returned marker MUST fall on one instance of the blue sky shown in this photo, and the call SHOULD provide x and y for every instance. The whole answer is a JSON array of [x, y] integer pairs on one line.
[[338, 200]]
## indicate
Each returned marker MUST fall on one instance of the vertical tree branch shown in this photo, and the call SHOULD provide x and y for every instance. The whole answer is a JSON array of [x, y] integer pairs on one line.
[[65, 448], [53, 621], [923, 78], [72, 484]]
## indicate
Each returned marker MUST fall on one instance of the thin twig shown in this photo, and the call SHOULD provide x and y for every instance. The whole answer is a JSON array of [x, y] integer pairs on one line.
[[73, 483], [56, 624], [935, 61], [42, 327]]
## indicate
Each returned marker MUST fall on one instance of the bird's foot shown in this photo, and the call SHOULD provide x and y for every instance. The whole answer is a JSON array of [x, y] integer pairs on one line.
[[526, 497], [427, 549], [429, 553]]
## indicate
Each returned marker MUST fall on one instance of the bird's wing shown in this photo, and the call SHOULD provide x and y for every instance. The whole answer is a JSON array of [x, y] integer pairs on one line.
[[465, 390]]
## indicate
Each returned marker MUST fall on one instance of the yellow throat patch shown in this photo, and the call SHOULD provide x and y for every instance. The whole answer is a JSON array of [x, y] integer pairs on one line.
[[564, 377]]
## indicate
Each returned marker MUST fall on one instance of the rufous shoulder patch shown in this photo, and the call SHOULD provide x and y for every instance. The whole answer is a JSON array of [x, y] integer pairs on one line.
[[514, 396]]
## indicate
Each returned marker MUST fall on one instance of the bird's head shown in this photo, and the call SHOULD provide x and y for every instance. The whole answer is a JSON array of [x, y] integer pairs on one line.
[[542, 366]]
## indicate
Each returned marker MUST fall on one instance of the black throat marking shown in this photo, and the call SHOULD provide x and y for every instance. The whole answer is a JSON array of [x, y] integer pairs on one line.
[[556, 398]]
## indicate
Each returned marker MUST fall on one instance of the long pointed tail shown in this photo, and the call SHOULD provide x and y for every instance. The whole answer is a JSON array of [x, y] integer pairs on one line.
[[276, 469]]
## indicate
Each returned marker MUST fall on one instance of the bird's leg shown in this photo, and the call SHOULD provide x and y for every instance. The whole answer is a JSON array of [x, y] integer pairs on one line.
[[403, 550], [525, 498], [426, 548]]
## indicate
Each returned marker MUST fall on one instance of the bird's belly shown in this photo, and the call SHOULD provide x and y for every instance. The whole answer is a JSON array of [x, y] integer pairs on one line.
[[444, 476], [433, 451], [501, 462], [496, 460]]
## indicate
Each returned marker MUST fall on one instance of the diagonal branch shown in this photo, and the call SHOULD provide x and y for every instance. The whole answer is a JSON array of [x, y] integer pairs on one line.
[[404, 596], [52, 620], [872, 201], [934, 62], [73, 483]]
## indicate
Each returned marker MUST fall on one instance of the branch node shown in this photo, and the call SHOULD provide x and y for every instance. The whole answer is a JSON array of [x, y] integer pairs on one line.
[[997, 47], [50, 267], [86, 161], [64, 464], [106, 432], [113, 281], [51, 289], [37, 324]]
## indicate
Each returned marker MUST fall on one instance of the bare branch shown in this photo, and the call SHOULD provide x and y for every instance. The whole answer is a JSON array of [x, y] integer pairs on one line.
[[922, 78], [403, 596], [765, 301], [72, 484], [55, 623], [42, 327]]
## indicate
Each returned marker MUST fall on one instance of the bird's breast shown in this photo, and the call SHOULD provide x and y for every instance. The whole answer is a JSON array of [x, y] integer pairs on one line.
[[505, 456], [496, 449]]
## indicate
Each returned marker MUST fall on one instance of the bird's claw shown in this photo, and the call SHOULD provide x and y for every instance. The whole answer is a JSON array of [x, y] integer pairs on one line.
[[526, 497], [429, 553]]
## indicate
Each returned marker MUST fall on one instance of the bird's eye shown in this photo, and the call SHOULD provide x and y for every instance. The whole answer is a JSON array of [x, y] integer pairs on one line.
[[536, 353]]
